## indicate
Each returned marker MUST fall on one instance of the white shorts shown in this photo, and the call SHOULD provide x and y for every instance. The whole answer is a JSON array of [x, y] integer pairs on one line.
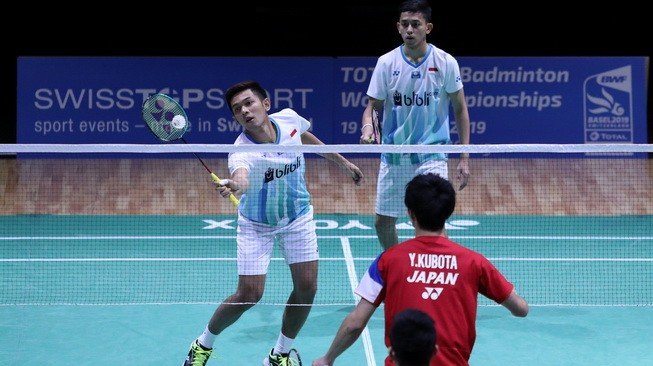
[[297, 241], [392, 180]]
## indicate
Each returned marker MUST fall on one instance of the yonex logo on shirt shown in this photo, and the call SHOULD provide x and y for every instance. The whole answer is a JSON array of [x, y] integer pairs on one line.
[[431, 292]]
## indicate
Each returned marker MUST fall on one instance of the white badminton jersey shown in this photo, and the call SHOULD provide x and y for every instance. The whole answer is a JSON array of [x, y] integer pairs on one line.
[[277, 191], [416, 107]]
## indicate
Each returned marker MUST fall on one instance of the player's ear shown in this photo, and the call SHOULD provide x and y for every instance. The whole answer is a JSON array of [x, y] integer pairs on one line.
[[410, 214], [266, 104], [429, 28]]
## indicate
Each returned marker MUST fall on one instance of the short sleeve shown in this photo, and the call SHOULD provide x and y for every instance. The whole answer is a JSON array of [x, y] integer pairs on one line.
[[452, 80], [372, 285], [377, 87], [493, 284], [304, 124], [238, 160], [293, 119]]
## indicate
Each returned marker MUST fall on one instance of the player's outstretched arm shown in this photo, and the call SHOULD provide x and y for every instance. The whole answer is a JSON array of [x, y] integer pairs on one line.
[[516, 304], [350, 168], [350, 329]]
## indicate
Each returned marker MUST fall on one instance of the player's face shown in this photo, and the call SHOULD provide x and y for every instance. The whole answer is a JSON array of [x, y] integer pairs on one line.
[[413, 28], [250, 111]]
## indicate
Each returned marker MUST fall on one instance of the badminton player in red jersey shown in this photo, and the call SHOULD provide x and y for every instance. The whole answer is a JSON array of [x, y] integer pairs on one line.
[[432, 274]]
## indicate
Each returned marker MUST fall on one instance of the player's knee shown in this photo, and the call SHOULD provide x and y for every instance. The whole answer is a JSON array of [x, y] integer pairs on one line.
[[306, 289], [249, 295]]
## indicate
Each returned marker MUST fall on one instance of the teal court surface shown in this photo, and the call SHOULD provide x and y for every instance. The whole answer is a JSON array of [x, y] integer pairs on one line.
[[136, 290]]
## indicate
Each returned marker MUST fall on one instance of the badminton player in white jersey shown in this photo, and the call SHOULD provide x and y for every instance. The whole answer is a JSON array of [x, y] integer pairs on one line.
[[274, 203], [413, 85]]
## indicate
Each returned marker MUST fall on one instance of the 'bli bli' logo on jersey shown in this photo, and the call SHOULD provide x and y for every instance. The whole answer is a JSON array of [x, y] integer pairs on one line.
[[270, 174], [414, 99]]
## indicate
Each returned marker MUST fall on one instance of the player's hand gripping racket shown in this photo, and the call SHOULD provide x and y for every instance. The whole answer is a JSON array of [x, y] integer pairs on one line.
[[168, 121], [376, 128]]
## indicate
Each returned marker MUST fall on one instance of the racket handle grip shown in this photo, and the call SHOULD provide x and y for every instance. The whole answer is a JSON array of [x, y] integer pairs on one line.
[[215, 178], [232, 198]]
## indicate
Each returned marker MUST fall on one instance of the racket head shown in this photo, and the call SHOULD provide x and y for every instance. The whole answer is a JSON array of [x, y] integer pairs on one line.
[[293, 358], [376, 127], [165, 117]]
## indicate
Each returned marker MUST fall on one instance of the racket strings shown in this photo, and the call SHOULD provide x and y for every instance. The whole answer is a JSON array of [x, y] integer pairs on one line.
[[166, 119], [376, 128]]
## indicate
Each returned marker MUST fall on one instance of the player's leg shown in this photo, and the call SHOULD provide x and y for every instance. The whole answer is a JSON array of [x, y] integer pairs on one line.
[[254, 243], [299, 245], [386, 230], [249, 292], [390, 191], [304, 278], [298, 242]]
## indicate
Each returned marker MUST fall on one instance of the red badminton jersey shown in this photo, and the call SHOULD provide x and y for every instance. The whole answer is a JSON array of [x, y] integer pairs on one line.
[[441, 278]]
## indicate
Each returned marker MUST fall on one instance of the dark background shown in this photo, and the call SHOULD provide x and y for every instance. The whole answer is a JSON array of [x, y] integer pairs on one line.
[[333, 28]]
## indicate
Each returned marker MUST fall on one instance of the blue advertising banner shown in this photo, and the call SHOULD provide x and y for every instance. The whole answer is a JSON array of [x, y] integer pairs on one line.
[[98, 100], [562, 100], [557, 100], [511, 100]]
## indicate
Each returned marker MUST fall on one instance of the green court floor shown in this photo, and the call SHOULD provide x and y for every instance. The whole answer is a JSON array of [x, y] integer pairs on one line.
[[136, 290]]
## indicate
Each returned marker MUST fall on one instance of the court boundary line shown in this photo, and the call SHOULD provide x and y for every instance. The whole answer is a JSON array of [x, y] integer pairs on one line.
[[346, 259], [353, 282], [316, 305], [193, 237]]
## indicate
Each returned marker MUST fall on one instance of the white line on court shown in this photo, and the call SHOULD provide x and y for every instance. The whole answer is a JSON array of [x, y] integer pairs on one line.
[[346, 259], [194, 237], [645, 305], [573, 259], [353, 281]]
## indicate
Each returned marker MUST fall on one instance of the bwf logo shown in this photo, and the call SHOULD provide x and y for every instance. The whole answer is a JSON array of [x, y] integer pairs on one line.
[[608, 114], [431, 293]]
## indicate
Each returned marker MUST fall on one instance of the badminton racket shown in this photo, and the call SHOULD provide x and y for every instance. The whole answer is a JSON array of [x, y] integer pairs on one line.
[[169, 122], [293, 358], [376, 127]]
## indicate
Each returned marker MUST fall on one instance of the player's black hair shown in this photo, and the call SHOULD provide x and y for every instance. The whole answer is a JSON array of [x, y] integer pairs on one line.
[[413, 337], [416, 6], [252, 85], [431, 199]]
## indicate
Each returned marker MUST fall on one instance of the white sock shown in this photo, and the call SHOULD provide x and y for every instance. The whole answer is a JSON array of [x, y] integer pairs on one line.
[[283, 344], [207, 338]]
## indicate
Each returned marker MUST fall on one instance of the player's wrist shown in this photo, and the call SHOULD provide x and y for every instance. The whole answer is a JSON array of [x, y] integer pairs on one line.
[[366, 138]]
